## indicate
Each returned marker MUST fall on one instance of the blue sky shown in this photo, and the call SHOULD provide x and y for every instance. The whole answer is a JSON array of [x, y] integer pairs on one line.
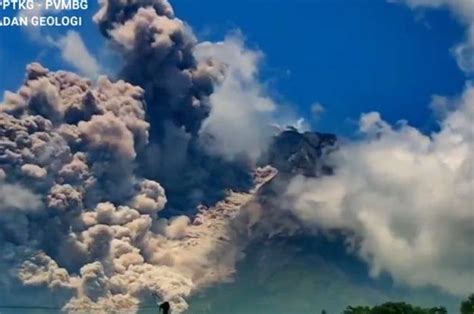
[[350, 56]]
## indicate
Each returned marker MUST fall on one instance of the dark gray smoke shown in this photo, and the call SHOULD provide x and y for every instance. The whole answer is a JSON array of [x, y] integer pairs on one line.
[[158, 55]]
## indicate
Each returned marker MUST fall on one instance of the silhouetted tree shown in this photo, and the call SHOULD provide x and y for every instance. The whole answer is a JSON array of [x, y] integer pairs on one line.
[[394, 308], [467, 306]]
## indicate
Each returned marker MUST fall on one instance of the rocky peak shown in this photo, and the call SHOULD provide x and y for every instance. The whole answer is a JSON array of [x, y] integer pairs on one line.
[[292, 152]]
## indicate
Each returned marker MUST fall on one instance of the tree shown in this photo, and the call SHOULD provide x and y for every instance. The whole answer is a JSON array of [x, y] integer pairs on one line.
[[395, 308], [467, 306]]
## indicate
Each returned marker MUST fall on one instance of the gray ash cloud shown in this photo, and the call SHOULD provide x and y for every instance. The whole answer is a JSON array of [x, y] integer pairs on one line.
[[79, 161], [157, 50], [76, 216]]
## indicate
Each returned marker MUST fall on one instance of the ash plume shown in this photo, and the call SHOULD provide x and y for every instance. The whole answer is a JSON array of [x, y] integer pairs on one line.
[[83, 160], [158, 52], [75, 216]]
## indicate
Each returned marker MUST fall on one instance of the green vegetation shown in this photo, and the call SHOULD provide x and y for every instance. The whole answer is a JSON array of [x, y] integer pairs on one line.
[[394, 308], [467, 307]]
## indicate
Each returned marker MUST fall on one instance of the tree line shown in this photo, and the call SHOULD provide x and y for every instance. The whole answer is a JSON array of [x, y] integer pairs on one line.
[[467, 307]]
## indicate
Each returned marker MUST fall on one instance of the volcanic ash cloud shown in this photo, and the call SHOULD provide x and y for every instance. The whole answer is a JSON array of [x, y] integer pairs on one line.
[[158, 55], [75, 217]]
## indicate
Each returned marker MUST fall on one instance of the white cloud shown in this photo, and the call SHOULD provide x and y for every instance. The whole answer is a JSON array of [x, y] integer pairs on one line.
[[405, 199], [72, 47], [242, 112], [464, 10], [75, 52]]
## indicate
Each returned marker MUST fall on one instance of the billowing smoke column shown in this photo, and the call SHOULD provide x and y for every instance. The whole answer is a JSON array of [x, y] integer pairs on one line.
[[158, 55], [78, 214], [66, 147], [77, 219]]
